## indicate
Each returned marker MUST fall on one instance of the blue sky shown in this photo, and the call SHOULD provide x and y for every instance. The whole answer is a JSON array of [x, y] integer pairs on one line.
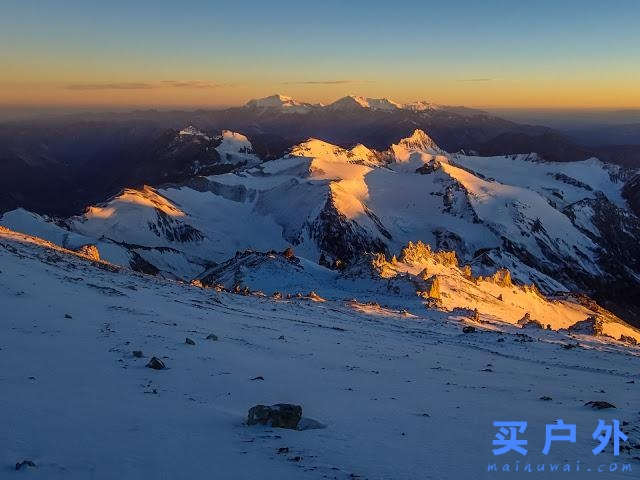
[[404, 49]]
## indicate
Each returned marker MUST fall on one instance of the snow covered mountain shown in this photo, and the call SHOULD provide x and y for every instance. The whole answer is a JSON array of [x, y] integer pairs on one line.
[[280, 103], [354, 102], [59, 165], [547, 223], [349, 103]]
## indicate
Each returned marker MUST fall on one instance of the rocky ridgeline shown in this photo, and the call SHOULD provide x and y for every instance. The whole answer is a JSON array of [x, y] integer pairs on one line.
[[437, 277], [90, 251]]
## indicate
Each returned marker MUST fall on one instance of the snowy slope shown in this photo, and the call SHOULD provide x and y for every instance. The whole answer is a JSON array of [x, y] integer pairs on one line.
[[383, 382]]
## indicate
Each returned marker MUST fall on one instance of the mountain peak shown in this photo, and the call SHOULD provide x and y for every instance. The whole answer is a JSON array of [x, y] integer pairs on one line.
[[191, 130], [356, 102], [280, 102], [421, 106], [418, 141]]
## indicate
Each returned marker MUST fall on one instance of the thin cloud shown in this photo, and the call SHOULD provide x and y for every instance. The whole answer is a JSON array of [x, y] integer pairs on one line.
[[109, 86], [147, 86], [194, 84], [325, 82], [476, 79]]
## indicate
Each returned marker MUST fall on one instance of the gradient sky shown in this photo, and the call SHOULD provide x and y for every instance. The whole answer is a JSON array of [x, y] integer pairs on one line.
[[206, 53]]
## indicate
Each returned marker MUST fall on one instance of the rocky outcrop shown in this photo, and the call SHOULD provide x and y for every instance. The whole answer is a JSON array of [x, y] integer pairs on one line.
[[340, 238], [90, 251], [617, 234], [431, 288], [631, 192], [417, 253], [590, 326], [139, 264], [174, 230], [527, 322], [231, 273]]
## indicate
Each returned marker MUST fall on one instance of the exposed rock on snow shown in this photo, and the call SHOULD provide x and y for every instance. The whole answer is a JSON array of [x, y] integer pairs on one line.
[[25, 463], [156, 364], [313, 296], [628, 339], [590, 326], [599, 404], [528, 322], [280, 415], [89, 251]]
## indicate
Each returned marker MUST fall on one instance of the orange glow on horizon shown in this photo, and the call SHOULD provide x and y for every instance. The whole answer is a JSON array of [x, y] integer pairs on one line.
[[530, 93]]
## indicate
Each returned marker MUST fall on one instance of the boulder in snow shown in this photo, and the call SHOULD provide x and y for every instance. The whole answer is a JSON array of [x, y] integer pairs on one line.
[[599, 404], [280, 415], [156, 364], [25, 463], [289, 254]]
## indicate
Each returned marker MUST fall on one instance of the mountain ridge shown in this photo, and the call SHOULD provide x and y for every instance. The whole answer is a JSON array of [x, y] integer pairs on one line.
[[543, 221]]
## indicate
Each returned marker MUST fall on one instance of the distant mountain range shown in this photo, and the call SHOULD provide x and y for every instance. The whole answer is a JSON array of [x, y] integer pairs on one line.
[[60, 164]]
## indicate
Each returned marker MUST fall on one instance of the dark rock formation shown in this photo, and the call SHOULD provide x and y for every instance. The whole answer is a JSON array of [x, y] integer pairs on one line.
[[280, 415], [599, 404], [156, 364]]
